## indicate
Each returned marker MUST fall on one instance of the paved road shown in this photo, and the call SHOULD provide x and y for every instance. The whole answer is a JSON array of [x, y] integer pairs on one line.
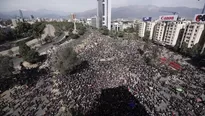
[[42, 49], [49, 30]]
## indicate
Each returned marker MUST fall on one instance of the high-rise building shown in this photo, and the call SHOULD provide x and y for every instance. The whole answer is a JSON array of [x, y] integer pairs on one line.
[[168, 32], [89, 21], [117, 26], [142, 27], [104, 13], [159, 31], [21, 14], [14, 22], [32, 17], [193, 33], [150, 27], [172, 32], [93, 21]]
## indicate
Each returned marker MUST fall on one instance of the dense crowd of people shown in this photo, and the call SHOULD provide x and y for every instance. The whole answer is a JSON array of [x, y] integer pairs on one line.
[[112, 63]]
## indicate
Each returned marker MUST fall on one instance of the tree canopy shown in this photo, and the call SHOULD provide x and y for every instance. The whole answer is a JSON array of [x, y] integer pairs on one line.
[[6, 66], [65, 60], [38, 29], [28, 54], [104, 30]]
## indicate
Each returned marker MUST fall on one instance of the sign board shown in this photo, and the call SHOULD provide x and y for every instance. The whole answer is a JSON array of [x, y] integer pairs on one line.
[[199, 18], [168, 17], [147, 19]]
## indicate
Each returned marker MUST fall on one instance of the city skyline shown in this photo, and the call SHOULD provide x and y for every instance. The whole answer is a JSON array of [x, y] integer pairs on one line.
[[62, 5]]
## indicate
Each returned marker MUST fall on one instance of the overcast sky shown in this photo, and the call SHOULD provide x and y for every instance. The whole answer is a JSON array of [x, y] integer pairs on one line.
[[82, 5]]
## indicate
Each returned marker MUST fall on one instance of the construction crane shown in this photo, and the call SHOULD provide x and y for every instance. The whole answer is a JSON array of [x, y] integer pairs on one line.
[[202, 12], [170, 12]]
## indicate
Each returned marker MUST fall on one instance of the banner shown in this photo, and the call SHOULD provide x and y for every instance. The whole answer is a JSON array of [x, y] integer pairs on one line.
[[199, 18], [147, 19], [168, 18]]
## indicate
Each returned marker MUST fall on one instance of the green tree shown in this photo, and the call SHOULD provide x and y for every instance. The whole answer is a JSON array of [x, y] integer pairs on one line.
[[58, 33], [24, 49], [104, 30], [81, 32], [74, 36], [184, 48], [195, 50], [38, 30], [28, 54], [23, 29], [120, 34], [129, 29], [48, 39], [6, 67], [65, 60]]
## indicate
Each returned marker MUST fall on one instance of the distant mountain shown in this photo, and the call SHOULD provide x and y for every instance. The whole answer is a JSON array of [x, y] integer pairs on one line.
[[128, 12], [137, 11], [39, 13]]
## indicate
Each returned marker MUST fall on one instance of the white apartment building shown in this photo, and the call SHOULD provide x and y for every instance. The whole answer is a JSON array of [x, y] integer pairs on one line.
[[150, 28], [104, 13], [14, 22], [172, 32], [89, 21], [117, 26], [121, 25], [142, 27], [159, 31], [127, 24], [192, 34], [93, 21]]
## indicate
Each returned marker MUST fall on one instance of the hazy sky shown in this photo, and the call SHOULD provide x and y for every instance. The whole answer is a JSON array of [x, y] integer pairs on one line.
[[82, 5]]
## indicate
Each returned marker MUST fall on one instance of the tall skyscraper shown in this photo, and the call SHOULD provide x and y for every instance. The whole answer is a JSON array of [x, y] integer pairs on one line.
[[21, 14], [104, 13], [32, 17]]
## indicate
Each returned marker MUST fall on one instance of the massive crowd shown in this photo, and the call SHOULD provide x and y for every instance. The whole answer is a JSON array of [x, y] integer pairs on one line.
[[112, 63]]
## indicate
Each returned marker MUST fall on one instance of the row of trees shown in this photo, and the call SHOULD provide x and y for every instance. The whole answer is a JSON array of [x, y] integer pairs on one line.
[[6, 35], [111, 33], [194, 52], [22, 30], [61, 27], [130, 32], [6, 66]]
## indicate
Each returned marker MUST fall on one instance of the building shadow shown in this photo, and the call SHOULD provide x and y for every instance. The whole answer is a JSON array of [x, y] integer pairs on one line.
[[117, 102]]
